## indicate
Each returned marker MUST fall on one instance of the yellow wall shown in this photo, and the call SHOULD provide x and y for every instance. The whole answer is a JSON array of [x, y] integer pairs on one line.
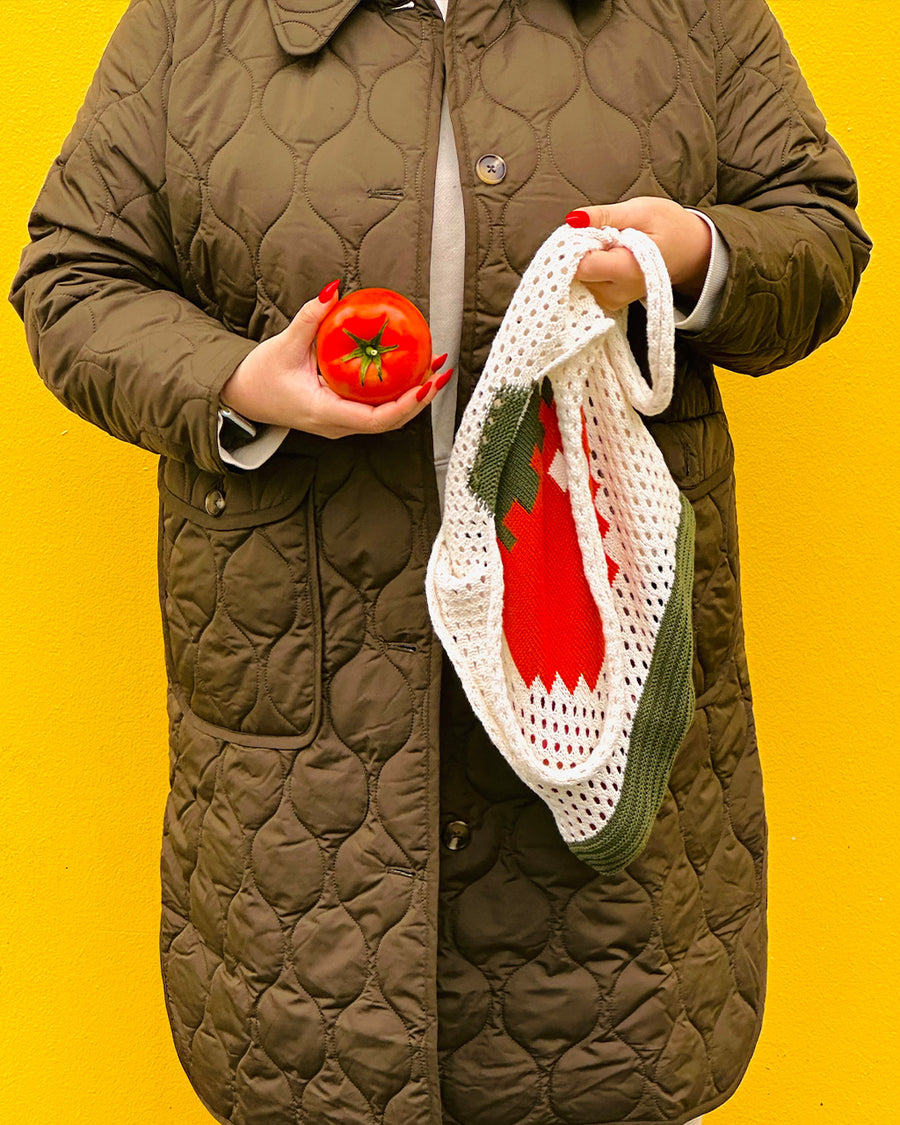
[[83, 776]]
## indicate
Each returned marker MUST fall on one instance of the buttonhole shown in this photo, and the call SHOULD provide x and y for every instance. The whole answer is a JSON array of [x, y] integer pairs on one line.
[[385, 193], [403, 648], [404, 871]]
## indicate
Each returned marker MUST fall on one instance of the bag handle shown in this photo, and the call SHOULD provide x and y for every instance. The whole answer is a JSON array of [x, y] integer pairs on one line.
[[654, 398]]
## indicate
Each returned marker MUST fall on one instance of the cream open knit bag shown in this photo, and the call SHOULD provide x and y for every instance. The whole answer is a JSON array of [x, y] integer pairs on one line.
[[560, 581]]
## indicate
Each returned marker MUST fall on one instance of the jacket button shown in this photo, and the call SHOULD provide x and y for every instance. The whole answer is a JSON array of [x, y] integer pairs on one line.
[[214, 502], [456, 835], [491, 168]]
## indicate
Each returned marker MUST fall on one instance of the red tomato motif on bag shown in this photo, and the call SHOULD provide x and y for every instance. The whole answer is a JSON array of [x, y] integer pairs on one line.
[[550, 618], [373, 346]]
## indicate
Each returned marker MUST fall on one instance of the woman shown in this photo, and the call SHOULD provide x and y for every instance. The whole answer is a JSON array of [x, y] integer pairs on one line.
[[356, 927]]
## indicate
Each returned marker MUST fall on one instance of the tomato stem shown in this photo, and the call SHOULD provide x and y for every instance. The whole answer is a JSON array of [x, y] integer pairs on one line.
[[369, 353]]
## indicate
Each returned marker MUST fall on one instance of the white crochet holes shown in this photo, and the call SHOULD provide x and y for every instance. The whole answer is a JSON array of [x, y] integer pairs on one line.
[[558, 699]]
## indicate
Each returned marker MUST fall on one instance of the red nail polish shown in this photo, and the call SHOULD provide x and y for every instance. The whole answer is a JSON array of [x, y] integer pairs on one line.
[[439, 362], [442, 380], [329, 291], [423, 391], [578, 219]]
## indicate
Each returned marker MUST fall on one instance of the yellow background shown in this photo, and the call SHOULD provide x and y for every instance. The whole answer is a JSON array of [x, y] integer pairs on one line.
[[84, 766]]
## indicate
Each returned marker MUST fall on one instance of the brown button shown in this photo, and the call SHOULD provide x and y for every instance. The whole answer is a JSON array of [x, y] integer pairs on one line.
[[491, 168], [456, 835], [214, 502]]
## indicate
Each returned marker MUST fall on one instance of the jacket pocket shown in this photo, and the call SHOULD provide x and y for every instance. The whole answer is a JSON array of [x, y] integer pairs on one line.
[[241, 610]]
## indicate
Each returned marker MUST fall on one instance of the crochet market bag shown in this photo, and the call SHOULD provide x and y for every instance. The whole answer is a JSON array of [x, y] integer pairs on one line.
[[560, 581]]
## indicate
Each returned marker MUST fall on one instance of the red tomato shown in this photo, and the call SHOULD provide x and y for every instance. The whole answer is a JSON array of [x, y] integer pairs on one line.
[[373, 346]]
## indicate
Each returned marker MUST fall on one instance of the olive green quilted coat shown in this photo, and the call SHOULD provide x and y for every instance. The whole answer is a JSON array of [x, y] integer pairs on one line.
[[366, 917]]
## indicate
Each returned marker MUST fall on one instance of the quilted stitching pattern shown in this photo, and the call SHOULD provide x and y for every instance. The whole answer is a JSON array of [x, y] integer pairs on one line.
[[295, 941], [271, 148], [298, 159], [215, 611]]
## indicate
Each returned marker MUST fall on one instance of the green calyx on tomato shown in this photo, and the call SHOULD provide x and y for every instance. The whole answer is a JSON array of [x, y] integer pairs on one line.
[[392, 351], [369, 353]]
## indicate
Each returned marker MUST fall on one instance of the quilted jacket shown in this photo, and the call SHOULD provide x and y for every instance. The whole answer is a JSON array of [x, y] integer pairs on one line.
[[366, 917]]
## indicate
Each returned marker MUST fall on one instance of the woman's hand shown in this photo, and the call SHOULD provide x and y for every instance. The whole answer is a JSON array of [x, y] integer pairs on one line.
[[279, 383], [683, 238]]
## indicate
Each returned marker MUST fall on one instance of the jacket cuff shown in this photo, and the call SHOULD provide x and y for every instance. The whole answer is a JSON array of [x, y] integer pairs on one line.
[[710, 299], [254, 453], [208, 455]]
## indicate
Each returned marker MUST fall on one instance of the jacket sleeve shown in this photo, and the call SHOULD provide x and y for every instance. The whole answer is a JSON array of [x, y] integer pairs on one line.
[[785, 203], [108, 326]]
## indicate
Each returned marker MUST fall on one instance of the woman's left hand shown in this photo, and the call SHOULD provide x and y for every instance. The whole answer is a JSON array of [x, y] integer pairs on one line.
[[683, 238]]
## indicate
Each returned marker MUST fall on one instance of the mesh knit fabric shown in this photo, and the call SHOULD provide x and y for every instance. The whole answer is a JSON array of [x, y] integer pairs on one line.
[[560, 581]]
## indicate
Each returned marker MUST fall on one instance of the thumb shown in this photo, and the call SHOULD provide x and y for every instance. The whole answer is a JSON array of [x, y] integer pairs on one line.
[[301, 332], [615, 215]]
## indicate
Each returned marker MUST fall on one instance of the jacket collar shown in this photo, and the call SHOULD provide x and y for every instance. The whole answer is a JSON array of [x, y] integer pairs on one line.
[[305, 26]]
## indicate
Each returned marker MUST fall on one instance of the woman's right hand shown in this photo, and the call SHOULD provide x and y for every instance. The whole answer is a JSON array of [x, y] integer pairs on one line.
[[279, 383]]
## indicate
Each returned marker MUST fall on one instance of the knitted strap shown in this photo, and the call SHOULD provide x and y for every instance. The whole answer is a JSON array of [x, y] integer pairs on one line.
[[660, 324]]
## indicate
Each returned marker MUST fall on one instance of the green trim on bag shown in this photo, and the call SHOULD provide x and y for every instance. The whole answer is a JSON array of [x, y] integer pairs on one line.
[[664, 714]]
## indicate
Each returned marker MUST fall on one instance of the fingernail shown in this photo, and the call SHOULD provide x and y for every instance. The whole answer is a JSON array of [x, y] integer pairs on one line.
[[423, 391], [439, 362], [329, 291], [578, 219], [442, 380]]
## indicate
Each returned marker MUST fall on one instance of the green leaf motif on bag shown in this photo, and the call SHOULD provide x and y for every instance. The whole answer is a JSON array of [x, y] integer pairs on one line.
[[502, 472]]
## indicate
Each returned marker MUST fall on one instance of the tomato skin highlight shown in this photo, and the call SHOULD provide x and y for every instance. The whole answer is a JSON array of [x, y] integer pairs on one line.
[[373, 346]]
